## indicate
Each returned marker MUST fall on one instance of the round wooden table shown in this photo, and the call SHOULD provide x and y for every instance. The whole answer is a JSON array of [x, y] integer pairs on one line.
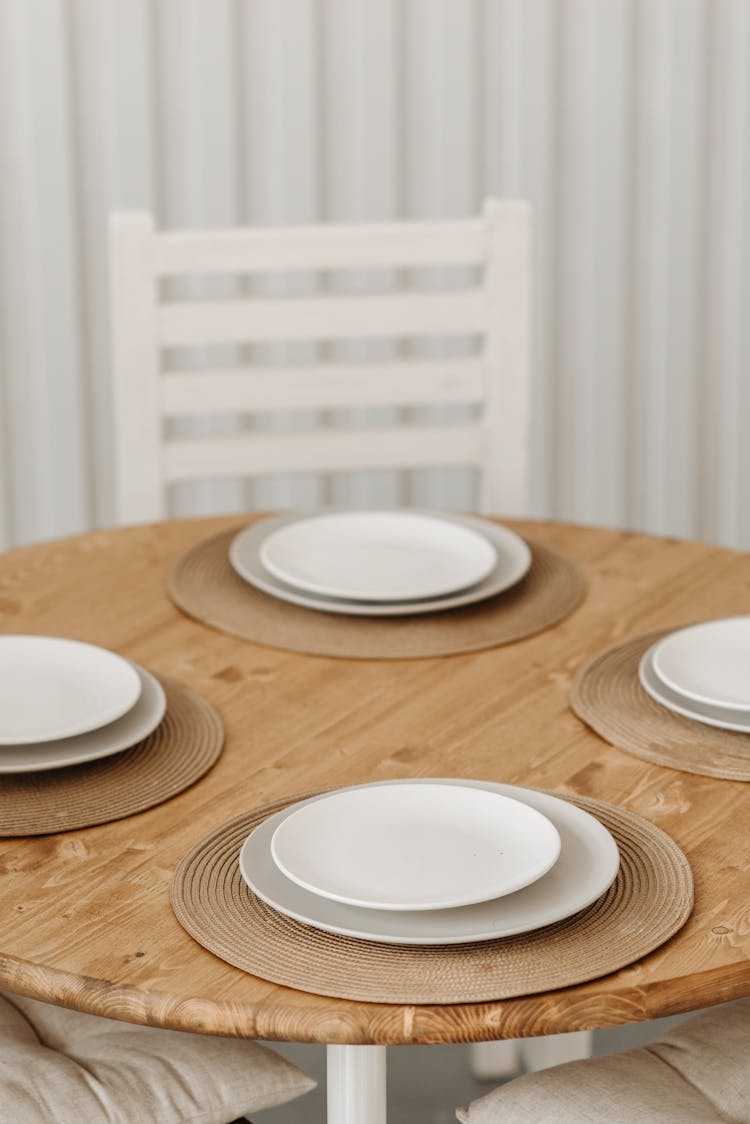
[[86, 920]]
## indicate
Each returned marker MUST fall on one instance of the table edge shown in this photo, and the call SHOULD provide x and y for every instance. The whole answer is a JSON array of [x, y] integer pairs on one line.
[[396, 1025]]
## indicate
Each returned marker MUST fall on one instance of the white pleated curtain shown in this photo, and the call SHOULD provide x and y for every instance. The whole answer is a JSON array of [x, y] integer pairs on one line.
[[626, 123]]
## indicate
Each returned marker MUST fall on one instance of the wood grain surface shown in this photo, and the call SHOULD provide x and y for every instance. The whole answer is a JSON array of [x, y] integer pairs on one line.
[[85, 919]]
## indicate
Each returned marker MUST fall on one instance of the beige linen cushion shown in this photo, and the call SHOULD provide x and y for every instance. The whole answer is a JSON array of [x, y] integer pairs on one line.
[[63, 1067], [698, 1072]]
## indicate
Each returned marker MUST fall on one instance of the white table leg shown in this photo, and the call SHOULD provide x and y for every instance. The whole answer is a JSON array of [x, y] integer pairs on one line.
[[556, 1049], [489, 1061], [356, 1084]]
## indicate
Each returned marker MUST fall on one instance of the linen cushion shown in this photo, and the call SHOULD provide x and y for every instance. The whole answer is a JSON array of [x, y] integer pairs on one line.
[[699, 1072], [63, 1067]]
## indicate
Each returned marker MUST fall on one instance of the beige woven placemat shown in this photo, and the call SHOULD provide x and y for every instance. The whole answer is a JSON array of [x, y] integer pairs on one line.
[[181, 749], [650, 900], [608, 696], [204, 585]]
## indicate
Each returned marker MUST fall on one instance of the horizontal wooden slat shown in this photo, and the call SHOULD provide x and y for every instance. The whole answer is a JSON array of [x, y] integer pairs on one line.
[[455, 312], [320, 247], [261, 454], [323, 386]]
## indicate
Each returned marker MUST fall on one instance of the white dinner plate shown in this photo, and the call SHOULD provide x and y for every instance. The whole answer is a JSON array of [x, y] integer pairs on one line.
[[377, 555], [513, 562], [708, 663], [587, 866], [54, 688], [121, 734], [724, 717], [414, 847]]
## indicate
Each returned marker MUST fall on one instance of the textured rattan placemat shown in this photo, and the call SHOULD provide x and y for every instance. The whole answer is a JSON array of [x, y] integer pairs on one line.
[[204, 585], [608, 696], [181, 749], [649, 901]]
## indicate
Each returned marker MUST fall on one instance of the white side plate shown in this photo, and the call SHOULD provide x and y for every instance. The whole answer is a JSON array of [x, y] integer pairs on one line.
[[54, 688], [121, 734], [708, 663], [415, 846], [378, 555], [587, 866], [723, 717], [513, 562]]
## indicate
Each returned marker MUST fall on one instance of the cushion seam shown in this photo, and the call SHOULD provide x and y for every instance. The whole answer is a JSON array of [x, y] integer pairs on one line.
[[686, 1081]]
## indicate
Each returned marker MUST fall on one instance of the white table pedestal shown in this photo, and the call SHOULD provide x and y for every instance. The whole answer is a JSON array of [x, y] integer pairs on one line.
[[356, 1083]]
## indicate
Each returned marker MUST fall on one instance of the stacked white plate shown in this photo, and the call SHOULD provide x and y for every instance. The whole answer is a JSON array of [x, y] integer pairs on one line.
[[63, 702], [379, 563], [430, 862], [703, 672]]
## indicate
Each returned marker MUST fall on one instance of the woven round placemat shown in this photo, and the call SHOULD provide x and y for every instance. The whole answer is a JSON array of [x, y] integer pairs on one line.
[[608, 696], [181, 749], [650, 900], [204, 585]]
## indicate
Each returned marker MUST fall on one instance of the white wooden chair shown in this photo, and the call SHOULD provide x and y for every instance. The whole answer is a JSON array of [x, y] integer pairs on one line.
[[496, 245]]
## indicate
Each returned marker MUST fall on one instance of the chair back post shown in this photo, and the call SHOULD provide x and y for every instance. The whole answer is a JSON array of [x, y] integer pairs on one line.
[[504, 488], [139, 493]]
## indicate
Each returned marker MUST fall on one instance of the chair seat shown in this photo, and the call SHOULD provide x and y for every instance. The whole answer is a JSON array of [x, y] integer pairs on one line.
[[63, 1067], [698, 1072]]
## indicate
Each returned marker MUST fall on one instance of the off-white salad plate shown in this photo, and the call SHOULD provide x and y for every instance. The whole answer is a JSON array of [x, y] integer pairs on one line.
[[723, 717], [415, 846], [587, 866], [377, 555], [121, 734], [708, 663], [512, 564], [54, 688]]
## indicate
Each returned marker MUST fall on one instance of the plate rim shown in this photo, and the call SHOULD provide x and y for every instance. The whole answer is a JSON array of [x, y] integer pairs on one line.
[[149, 683], [509, 886], [696, 696], [321, 589], [492, 932], [106, 715], [660, 693], [517, 555]]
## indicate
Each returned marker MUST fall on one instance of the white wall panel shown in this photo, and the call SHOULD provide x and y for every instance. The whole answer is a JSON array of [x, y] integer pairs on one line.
[[577, 379], [442, 66], [440, 107], [724, 502], [533, 171], [44, 396], [361, 75], [283, 145], [607, 439], [626, 124], [501, 62], [198, 171], [113, 135], [653, 186], [684, 463]]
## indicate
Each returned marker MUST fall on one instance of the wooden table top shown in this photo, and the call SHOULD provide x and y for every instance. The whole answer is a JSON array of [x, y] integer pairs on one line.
[[86, 920]]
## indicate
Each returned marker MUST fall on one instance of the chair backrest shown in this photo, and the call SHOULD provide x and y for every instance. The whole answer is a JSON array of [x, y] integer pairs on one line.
[[494, 309]]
